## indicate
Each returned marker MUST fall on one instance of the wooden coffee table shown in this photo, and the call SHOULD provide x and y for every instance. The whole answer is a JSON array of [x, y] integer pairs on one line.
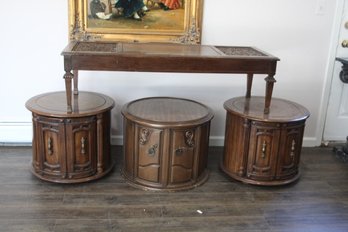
[[165, 57]]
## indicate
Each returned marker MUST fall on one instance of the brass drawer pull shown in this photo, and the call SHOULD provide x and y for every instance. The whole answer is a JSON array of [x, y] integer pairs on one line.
[[152, 150], [292, 153], [264, 148], [83, 145], [50, 146]]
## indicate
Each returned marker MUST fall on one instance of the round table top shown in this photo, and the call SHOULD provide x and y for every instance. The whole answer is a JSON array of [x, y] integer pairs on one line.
[[253, 108], [167, 111], [54, 104]]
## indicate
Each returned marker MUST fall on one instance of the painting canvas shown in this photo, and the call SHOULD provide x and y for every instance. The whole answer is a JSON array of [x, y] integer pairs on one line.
[[177, 21]]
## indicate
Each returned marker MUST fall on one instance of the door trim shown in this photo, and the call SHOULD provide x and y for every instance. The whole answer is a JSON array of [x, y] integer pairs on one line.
[[334, 43]]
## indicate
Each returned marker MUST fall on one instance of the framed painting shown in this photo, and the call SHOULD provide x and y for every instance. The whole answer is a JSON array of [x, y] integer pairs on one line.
[[176, 21]]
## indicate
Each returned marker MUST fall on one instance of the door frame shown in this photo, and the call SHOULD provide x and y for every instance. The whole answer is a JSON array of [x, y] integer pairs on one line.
[[334, 43]]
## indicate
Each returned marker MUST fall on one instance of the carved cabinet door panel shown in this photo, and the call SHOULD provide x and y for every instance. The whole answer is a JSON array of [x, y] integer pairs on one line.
[[149, 153], [289, 150], [51, 146], [262, 158], [182, 156], [81, 134]]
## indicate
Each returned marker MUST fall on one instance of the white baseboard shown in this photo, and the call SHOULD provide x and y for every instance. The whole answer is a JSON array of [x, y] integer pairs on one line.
[[20, 134], [117, 140], [15, 134], [218, 141], [311, 142]]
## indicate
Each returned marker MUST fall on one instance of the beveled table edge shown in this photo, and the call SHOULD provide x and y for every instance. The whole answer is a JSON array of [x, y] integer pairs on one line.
[[174, 124], [305, 111], [109, 102]]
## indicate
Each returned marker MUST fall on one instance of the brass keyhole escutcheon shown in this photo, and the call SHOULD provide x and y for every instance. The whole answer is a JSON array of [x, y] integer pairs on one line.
[[152, 150], [179, 151]]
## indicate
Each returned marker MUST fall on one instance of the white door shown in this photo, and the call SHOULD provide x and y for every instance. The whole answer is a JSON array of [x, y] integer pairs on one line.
[[336, 125]]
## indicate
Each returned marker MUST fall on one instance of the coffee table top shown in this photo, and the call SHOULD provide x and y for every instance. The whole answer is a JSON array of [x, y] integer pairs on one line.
[[54, 104], [164, 49], [167, 111], [280, 111]]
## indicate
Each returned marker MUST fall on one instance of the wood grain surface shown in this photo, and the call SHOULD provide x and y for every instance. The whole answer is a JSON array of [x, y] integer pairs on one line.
[[317, 202], [281, 110], [53, 104], [167, 111]]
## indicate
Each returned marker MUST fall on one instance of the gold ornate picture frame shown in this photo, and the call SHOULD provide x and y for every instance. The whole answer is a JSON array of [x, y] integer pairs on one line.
[[174, 21]]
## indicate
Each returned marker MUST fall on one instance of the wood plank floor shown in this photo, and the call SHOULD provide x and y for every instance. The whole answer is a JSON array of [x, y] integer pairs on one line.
[[317, 202]]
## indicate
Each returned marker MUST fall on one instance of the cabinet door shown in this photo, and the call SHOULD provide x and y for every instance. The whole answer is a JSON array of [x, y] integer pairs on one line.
[[148, 163], [237, 136], [50, 146], [182, 156], [290, 150], [262, 158], [81, 147]]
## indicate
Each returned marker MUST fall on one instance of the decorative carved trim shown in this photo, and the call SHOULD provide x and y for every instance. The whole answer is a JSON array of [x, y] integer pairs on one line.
[[68, 75], [144, 136], [189, 138], [192, 36], [75, 27], [270, 79], [77, 32]]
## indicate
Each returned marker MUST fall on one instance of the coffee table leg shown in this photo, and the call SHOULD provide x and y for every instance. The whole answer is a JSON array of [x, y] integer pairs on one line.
[[269, 89], [249, 84], [68, 76], [76, 80]]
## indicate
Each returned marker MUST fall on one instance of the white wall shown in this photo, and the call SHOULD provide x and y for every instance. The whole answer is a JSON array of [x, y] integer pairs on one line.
[[34, 33]]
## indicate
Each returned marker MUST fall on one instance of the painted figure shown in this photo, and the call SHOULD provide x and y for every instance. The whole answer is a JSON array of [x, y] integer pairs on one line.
[[132, 8], [169, 4], [98, 10]]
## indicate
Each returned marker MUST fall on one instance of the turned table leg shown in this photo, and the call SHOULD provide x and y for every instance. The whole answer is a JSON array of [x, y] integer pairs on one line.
[[76, 80], [68, 76], [269, 89]]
